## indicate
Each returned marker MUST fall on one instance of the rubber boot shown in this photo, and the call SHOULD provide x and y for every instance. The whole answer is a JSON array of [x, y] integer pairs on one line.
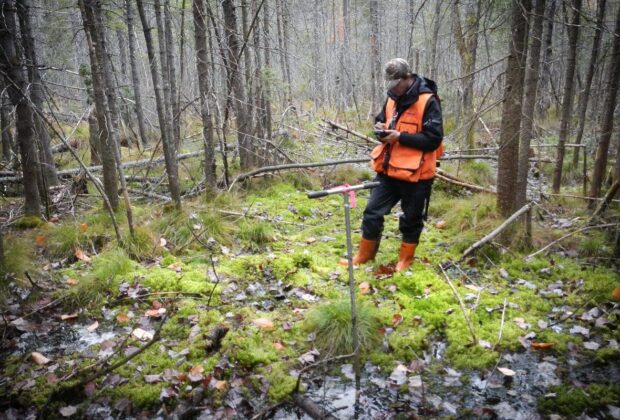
[[368, 250], [405, 256]]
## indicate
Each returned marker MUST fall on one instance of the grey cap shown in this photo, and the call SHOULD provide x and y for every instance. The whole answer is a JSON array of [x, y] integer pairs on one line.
[[394, 71]]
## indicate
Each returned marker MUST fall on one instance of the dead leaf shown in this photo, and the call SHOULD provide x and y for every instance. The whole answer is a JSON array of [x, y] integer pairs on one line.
[[364, 288], [195, 373], [264, 324], [40, 240], [39, 359], [81, 255], [143, 335], [221, 385], [472, 287], [154, 313], [83, 227], [278, 345], [89, 389], [580, 330], [65, 317], [396, 319], [591, 345], [440, 224], [399, 375], [542, 345], [71, 282], [156, 304], [68, 411], [311, 240], [615, 295], [92, 327], [384, 271], [122, 318], [521, 323], [151, 379], [506, 371], [176, 267], [162, 242]]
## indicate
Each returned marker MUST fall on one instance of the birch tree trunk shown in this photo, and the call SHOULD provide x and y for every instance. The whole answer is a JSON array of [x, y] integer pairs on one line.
[[585, 97], [607, 123], [16, 86], [511, 111], [172, 165], [202, 68], [567, 102], [135, 79]]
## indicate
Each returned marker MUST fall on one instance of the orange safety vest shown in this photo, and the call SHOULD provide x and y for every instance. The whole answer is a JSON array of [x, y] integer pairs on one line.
[[403, 162]]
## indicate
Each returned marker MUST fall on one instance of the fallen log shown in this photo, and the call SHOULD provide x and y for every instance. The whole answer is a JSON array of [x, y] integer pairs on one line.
[[444, 176], [98, 168], [311, 408], [605, 203], [497, 231], [348, 130]]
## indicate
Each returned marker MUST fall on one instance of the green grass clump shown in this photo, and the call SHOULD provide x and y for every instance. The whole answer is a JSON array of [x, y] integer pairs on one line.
[[332, 324], [142, 245], [255, 233], [18, 256]]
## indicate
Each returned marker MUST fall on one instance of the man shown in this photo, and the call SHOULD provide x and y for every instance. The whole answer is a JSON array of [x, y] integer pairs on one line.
[[410, 129]]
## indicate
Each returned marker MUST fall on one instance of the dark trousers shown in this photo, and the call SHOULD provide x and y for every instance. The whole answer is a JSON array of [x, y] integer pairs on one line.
[[413, 197]]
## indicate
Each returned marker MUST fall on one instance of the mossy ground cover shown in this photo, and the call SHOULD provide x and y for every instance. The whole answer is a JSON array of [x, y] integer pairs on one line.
[[278, 291]]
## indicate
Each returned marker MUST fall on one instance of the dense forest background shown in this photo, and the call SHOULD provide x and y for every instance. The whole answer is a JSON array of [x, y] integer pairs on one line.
[[155, 156]]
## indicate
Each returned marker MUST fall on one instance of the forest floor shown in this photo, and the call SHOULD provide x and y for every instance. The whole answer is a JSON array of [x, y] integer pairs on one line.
[[216, 311]]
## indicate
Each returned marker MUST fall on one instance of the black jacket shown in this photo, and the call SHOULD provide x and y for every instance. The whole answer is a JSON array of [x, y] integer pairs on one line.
[[429, 138]]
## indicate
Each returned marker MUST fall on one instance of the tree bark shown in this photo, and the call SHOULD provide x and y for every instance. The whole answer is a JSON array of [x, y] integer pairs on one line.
[[238, 92], [16, 86], [607, 123], [585, 96], [545, 97], [169, 150], [375, 60], [165, 74], [567, 101], [172, 78], [8, 147], [529, 101], [46, 157], [110, 177], [202, 68], [511, 111], [135, 79]]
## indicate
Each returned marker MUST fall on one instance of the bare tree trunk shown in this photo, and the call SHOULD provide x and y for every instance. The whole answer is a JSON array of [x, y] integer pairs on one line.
[[467, 44], [135, 79], [436, 26], [16, 86], [94, 11], [375, 60], [8, 147], [529, 101], [174, 98], [607, 123], [511, 111], [266, 82], [545, 98], [172, 165], [202, 68], [46, 157], [283, 22], [165, 74], [585, 96], [93, 140], [110, 179], [238, 92], [567, 103]]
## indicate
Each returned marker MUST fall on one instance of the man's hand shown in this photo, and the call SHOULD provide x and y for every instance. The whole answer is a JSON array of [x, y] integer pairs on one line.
[[391, 138]]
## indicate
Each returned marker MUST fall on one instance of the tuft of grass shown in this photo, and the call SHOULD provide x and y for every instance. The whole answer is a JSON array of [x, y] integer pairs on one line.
[[142, 245], [255, 233], [18, 256], [332, 324]]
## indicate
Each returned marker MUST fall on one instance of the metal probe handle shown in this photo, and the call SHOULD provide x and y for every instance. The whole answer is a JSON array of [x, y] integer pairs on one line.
[[342, 189]]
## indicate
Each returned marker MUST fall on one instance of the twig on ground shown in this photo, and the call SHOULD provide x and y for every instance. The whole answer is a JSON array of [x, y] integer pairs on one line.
[[501, 326], [458, 298], [568, 235]]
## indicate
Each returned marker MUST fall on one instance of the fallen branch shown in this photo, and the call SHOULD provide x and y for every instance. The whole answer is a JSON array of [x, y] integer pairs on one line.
[[497, 231], [311, 408], [294, 166], [605, 203], [458, 298], [98, 168], [582, 197], [353, 132], [569, 235], [501, 326], [444, 176]]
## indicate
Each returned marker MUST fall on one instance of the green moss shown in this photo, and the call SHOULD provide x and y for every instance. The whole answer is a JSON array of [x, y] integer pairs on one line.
[[332, 324], [250, 348], [28, 222], [281, 383], [572, 401], [140, 393]]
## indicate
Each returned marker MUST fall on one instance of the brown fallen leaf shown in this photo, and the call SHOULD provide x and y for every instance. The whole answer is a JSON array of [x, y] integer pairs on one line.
[[278, 345], [221, 385], [311, 240], [39, 359], [264, 324], [365, 288], [615, 295], [83, 227], [156, 304], [40, 240], [122, 318], [440, 224], [66, 317], [71, 282], [195, 373], [397, 319], [154, 313], [81, 255], [92, 327], [542, 345]]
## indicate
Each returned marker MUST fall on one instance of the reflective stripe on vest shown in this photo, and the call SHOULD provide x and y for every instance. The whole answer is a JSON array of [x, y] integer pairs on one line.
[[402, 162]]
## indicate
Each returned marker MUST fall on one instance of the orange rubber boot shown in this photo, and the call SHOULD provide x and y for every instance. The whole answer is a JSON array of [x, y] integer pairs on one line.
[[368, 250], [405, 257]]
